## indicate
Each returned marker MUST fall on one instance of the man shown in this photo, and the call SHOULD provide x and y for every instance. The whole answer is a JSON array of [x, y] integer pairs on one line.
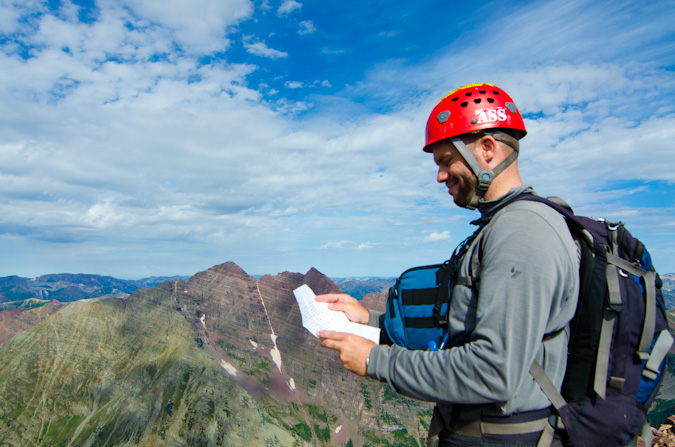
[[523, 265]]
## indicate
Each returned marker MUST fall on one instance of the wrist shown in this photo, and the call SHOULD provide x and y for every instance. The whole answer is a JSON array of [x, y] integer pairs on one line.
[[368, 359]]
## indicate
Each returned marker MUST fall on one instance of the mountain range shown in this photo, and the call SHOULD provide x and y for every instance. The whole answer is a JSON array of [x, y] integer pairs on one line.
[[668, 290], [66, 287], [220, 358]]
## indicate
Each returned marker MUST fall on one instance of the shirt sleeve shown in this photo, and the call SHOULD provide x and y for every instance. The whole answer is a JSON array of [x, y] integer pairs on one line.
[[374, 319]]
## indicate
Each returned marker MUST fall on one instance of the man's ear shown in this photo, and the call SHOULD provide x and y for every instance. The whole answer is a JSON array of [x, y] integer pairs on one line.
[[487, 148]]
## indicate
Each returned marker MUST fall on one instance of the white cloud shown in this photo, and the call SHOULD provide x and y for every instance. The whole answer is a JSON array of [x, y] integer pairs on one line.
[[340, 245], [324, 83], [306, 27], [288, 6], [265, 5], [294, 84], [287, 107], [336, 245], [12, 13], [438, 237], [260, 48], [105, 214], [199, 25]]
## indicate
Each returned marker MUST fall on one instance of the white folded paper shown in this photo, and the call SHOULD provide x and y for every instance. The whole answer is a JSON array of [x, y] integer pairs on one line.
[[317, 317]]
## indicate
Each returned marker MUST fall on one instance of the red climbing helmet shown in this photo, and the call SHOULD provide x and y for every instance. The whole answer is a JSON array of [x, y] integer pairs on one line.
[[472, 108]]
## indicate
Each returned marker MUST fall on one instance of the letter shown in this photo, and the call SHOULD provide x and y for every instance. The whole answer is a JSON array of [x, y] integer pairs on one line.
[[502, 114]]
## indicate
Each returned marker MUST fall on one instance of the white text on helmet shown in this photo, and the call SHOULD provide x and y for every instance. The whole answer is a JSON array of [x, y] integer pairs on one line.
[[491, 115]]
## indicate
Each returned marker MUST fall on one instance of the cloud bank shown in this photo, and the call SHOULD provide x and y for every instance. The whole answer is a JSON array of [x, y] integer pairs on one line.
[[137, 140]]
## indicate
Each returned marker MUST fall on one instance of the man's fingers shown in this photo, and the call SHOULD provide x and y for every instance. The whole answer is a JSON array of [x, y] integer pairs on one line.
[[329, 344], [353, 349], [335, 298], [328, 297], [339, 306], [331, 335], [331, 340], [352, 308]]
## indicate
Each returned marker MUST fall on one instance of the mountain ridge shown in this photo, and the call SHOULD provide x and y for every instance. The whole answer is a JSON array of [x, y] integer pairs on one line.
[[209, 361]]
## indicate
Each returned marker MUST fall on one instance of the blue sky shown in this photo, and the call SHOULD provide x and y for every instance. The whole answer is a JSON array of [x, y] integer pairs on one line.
[[143, 138]]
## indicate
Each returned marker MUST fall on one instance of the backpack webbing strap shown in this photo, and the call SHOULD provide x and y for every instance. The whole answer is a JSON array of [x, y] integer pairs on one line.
[[449, 273], [515, 428], [473, 279], [613, 228], [649, 277], [475, 265], [546, 438], [650, 314], [659, 352], [554, 396], [607, 329], [549, 389]]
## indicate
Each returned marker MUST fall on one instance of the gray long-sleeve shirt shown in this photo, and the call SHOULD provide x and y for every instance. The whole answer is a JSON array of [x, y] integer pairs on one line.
[[528, 288]]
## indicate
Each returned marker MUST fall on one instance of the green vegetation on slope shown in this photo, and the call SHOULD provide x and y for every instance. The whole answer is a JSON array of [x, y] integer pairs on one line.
[[30, 303], [117, 372]]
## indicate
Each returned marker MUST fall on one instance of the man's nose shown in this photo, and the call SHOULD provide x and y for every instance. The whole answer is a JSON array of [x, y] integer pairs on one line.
[[442, 176]]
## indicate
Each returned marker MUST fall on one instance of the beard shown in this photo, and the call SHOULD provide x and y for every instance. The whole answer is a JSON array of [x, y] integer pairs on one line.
[[466, 187]]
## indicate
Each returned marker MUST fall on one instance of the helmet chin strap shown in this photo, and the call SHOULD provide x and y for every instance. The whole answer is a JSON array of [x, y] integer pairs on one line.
[[484, 177]]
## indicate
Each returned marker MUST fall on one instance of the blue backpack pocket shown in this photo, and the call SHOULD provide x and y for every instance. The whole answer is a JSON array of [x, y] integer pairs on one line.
[[411, 320]]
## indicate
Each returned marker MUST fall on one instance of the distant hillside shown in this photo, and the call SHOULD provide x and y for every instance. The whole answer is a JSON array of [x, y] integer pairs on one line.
[[669, 290], [360, 287], [153, 281], [68, 287]]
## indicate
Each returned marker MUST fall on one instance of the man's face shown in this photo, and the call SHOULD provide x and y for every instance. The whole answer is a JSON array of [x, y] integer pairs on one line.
[[454, 172]]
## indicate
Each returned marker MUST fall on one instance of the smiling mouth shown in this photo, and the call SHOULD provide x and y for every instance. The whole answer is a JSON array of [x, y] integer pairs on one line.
[[452, 187]]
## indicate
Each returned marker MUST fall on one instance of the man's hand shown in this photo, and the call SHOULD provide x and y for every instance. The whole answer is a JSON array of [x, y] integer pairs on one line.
[[353, 350], [351, 307]]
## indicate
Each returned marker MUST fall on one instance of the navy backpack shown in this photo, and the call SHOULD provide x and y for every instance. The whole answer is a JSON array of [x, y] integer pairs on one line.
[[619, 336]]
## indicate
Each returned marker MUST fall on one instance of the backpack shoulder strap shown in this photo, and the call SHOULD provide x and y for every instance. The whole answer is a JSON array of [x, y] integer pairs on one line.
[[544, 382], [649, 277]]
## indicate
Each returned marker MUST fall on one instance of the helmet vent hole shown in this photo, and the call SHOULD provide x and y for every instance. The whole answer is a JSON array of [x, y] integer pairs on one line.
[[477, 100], [491, 100], [468, 93], [464, 104], [482, 92], [495, 92], [455, 99]]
